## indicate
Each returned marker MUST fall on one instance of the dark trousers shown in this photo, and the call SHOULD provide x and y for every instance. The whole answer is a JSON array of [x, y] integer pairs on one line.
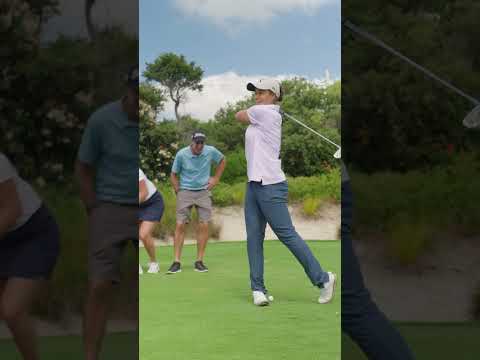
[[361, 319]]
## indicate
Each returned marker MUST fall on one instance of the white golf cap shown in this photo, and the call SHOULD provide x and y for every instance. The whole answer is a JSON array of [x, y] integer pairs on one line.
[[265, 84]]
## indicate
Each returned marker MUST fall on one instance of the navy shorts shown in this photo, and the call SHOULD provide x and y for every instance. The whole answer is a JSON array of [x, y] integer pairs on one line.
[[32, 250], [152, 209]]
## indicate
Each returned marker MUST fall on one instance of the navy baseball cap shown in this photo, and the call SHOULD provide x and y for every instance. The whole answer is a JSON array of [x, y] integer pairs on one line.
[[198, 136]]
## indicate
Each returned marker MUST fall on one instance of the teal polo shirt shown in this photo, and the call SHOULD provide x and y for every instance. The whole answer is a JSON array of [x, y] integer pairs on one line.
[[194, 170], [110, 145]]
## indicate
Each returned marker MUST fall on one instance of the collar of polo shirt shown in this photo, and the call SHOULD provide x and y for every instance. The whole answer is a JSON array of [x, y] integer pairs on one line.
[[192, 155]]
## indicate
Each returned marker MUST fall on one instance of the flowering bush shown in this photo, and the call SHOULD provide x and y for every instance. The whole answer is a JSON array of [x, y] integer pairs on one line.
[[158, 146], [48, 92]]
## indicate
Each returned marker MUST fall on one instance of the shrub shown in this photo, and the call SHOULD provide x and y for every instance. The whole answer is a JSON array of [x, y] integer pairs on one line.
[[408, 238], [311, 206], [158, 146], [236, 168], [444, 197]]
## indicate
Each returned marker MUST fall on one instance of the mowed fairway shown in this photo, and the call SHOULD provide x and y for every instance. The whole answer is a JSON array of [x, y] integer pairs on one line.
[[197, 316], [117, 346]]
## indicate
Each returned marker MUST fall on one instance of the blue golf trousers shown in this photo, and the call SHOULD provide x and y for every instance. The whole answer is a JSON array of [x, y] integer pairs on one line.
[[361, 319], [268, 204]]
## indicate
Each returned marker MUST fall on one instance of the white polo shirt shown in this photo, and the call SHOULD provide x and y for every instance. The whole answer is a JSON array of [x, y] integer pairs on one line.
[[150, 186], [263, 140], [29, 200]]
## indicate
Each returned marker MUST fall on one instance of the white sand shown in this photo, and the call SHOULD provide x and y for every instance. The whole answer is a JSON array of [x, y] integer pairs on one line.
[[439, 288], [232, 221]]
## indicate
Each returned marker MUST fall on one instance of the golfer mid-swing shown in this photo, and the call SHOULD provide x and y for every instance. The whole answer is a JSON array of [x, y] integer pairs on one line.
[[267, 192]]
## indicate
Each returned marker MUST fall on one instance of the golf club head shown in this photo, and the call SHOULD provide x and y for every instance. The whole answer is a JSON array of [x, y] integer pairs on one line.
[[338, 154], [472, 120]]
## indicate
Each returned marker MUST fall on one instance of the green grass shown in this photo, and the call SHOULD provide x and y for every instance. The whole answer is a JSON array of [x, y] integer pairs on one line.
[[431, 341], [211, 316], [117, 346]]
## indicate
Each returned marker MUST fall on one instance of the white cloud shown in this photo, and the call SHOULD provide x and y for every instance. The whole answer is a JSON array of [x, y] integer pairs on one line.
[[230, 12], [218, 90]]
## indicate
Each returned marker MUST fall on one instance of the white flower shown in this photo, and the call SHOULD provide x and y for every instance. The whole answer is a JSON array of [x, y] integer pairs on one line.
[[84, 98], [40, 182], [57, 115]]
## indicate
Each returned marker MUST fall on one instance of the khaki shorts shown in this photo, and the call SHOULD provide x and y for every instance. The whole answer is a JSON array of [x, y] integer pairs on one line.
[[187, 199], [111, 227]]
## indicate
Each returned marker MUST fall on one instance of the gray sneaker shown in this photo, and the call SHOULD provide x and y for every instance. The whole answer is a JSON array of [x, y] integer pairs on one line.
[[200, 266]]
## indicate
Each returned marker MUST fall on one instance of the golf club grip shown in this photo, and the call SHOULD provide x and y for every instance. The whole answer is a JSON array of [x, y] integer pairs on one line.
[[380, 43]]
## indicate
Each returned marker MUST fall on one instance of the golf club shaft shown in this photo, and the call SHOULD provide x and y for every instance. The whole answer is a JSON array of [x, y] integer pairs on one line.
[[427, 72], [315, 132]]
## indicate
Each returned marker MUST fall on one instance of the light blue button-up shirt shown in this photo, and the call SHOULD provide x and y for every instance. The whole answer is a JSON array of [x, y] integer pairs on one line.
[[194, 170]]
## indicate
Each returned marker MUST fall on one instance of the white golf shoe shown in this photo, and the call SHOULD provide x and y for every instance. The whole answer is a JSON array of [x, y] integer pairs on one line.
[[328, 290], [260, 299], [153, 268]]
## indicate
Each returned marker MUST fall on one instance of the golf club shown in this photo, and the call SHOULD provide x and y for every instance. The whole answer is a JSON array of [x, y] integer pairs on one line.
[[471, 121], [338, 153]]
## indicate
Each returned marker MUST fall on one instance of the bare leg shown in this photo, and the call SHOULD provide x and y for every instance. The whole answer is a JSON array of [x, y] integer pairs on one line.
[[146, 229], [16, 301], [202, 239], [179, 240], [98, 303]]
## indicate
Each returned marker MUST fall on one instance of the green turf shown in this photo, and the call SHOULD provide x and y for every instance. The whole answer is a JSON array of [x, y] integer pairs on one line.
[[198, 316], [432, 341], [117, 346]]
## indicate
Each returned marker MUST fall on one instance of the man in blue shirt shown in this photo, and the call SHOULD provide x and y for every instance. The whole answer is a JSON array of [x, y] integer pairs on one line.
[[107, 168], [191, 180]]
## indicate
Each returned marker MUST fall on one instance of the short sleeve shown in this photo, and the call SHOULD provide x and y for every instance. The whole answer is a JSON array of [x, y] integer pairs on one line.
[[90, 147], [217, 156], [141, 175], [7, 171], [254, 115], [177, 164]]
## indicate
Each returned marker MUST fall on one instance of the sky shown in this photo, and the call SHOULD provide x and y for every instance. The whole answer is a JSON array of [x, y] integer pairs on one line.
[[71, 19], [236, 41]]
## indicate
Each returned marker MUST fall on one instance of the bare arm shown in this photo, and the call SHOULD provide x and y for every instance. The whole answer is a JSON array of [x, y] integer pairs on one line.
[[86, 178], [242, 116], [10, 206], [218, 174], [175, 182], [142, 191]]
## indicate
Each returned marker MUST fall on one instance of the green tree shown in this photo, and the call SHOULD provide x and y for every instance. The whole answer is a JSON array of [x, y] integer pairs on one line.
[[394, 117], [153, 100], [176, 75]]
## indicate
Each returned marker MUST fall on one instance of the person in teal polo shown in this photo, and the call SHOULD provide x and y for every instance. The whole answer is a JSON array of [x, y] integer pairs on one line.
[[107, 168], [192, 183]]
